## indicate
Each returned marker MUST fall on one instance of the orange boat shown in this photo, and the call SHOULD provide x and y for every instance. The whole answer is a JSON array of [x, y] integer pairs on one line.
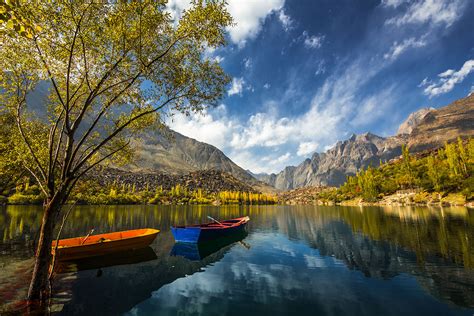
[[97, 245]]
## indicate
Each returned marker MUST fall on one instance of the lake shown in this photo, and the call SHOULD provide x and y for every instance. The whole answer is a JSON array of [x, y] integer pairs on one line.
[[304, 260]]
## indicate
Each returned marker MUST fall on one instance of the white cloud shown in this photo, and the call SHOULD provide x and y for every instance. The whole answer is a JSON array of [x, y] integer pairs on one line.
[[247, 63], [373, 107], [306, 148], [425, 82], [436, 12], [248, 17], [208, 126], [398, 48], [448, 79], [237, 86], [285, 20], [258, 164], [393, 3], [312, 41], [471, 92], [261, 142], [219, 59], [321, 68], [176, 8], [327, 147], [270, 130], [283, 158]]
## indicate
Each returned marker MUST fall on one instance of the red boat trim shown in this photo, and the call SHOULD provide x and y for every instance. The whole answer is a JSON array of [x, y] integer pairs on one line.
[[230, 223]]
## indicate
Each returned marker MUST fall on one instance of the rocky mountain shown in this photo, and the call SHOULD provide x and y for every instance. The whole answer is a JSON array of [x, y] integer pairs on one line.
[[169, 152], [424, 129], [413, 120], [444, 124]]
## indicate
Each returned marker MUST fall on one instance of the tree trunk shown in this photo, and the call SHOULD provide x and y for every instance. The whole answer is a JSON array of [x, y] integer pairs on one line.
[[39, 281]]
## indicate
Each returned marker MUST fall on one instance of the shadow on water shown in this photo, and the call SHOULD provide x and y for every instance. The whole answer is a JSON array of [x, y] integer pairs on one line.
[[109, 260], [433, 245], [199, 251]]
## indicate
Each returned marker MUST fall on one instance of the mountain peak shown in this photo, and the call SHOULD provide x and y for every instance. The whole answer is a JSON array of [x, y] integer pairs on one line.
[[413, 120]]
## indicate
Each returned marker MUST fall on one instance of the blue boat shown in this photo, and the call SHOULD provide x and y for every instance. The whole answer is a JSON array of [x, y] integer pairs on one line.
[[209, 231]]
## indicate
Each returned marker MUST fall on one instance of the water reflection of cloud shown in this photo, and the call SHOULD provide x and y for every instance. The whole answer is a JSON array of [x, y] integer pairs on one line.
[[315, 262], [265, 277]]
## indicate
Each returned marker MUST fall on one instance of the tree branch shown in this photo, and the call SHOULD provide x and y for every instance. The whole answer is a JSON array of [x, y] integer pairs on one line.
[[51, 142], [102, 112], [102, 159], [133, 79], [22, 133], [119, 129], [49, 72], [36, 177]]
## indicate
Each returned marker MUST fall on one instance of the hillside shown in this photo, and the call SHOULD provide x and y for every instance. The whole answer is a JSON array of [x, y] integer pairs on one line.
[[169, 152], [211, 181]]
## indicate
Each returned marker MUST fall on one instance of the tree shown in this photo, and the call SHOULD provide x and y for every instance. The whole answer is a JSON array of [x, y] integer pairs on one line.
[[12, 22], [368, 183], [112, 69], [407, 177], [10, 166], [434, 172], [463, 157]]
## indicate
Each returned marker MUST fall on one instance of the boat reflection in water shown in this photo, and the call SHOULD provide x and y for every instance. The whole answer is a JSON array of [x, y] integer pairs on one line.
[[199, 251], [104, 261]]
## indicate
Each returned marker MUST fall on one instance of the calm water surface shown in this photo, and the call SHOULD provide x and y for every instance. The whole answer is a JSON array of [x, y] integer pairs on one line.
[[302, 260]]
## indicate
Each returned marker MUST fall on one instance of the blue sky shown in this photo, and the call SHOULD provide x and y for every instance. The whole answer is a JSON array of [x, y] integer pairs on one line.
[[309, 73]]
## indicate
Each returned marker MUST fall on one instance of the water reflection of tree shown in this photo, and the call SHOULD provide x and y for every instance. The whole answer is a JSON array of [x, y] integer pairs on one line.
[[444, 232], [427, 232], [427, 245]]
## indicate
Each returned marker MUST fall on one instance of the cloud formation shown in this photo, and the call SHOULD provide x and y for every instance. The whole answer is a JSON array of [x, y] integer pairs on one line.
[[248, 17], [436, 12], [236, 87], [447, 80], [285, 20], [307, 148], [312, 41], [393, 3], [398, 48]]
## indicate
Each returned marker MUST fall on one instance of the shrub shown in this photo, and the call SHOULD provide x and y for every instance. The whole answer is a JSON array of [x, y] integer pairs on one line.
[[19, 198]]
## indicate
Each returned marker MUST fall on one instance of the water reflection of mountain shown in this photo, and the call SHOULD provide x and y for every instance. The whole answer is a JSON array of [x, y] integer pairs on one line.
[[431, 248]]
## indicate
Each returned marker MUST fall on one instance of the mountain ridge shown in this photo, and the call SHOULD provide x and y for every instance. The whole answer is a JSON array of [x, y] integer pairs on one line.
[[424, 129]]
